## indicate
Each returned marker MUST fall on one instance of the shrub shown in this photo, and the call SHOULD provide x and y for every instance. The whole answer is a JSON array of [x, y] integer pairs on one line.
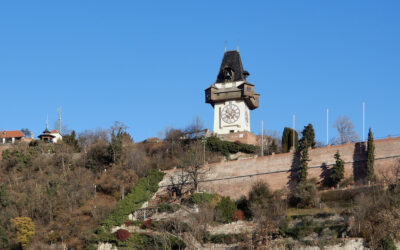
[[225, 208], [202, 198], [243, 204], [164, 207], [300, 230], [167, 208], [215, 144], [238, 215], [247, 148], [259, 193], [25, 229], [304, 195], [122, 234], [98, 156], [147, 224], [387, 243]]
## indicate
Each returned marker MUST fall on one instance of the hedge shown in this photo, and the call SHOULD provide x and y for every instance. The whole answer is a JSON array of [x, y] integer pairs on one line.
[[226, 147], [142, 192]]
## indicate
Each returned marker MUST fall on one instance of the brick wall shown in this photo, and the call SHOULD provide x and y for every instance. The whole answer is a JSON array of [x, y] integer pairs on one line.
[[243, 137], [234, 178]]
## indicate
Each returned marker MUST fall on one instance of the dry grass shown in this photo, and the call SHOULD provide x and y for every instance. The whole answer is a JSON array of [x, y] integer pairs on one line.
[[313, 211]]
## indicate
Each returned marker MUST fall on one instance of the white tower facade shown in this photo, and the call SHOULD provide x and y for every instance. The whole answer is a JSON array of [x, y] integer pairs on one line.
[[232, 96]]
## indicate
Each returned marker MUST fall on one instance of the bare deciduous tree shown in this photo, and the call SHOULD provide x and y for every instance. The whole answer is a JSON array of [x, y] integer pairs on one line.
[[345, 130], [192, 163], [178, 183], [195, 127]]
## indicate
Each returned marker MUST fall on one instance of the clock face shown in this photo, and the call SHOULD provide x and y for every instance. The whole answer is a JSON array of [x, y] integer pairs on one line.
[[230, 113]]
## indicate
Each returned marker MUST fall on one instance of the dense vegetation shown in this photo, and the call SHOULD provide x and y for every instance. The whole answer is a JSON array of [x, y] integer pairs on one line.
[[68, 189]]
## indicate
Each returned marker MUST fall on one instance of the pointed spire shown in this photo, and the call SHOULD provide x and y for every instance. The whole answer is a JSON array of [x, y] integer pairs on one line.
[[231, 69]]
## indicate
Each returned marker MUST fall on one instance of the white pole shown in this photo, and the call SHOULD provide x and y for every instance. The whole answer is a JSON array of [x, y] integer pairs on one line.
[[262, 138], [59, 120], [294, 132], [363, 106], [327, 126]]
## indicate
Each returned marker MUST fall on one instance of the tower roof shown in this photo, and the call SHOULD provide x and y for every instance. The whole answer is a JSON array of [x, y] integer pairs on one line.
[[231, 69]]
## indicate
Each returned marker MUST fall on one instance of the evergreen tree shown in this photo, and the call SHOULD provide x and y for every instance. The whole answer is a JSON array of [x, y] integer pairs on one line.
[[116, 145], [370, 156], [304, 159], [273, 148], [308, 135], [337, 174], [72, 141], [287, 139]]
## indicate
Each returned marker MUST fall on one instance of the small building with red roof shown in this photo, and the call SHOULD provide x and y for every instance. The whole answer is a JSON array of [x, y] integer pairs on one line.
[[11, 136], [50, 136]]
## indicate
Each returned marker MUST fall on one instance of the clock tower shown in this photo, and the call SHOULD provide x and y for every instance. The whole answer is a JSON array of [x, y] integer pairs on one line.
[[231, 96]]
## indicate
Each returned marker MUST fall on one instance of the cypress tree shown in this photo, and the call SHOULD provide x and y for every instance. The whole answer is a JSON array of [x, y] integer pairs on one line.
[[287, 139], [304, 159], [370, 156], [309, 135], [337, 170]]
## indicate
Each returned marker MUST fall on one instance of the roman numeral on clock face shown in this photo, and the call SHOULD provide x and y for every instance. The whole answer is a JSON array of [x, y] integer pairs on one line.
[[230, 113]]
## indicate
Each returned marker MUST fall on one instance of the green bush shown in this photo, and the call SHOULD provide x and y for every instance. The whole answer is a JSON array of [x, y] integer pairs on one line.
[[142, 192], [387, 243], [300, 230], [225, 209], [247, 148], [260, 194], [305, 195], [202, 198], [164, 207]]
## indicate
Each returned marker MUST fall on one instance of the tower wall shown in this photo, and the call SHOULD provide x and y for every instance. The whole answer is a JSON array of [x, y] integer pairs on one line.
[[242, 124]]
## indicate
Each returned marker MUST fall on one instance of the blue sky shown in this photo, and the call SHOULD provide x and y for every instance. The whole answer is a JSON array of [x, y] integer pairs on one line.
[[147, 63]]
